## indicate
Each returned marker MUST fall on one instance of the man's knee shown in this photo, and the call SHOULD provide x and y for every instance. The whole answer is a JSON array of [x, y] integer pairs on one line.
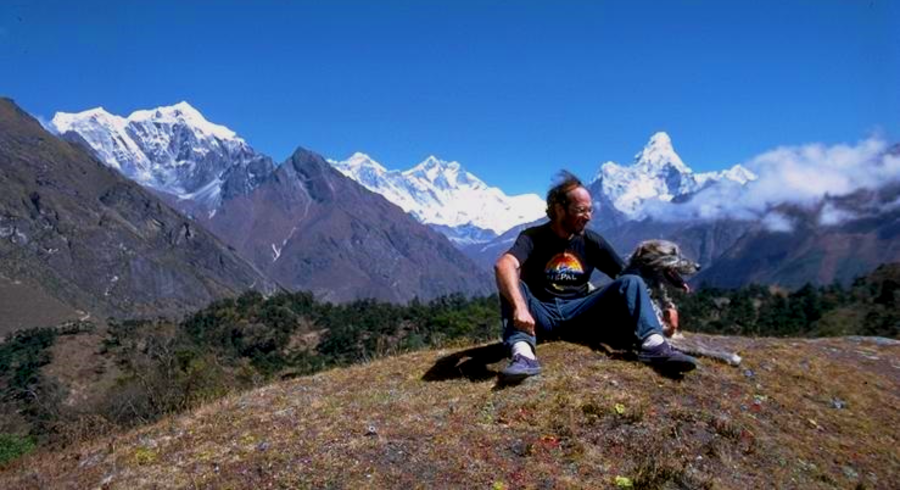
[[630, 283]]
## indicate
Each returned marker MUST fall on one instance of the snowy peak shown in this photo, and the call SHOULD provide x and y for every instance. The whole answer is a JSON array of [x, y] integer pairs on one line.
[[443, 194], [172, 149], [107, 135], [443, 174], [366, 171], [658, 174], [658, 154], [360, 160], [64, 121], [184, 114], [737, 174]]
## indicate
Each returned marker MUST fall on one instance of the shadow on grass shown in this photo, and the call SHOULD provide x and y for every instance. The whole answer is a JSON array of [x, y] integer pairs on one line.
[[472, 364], [630, 355], [477, 364]]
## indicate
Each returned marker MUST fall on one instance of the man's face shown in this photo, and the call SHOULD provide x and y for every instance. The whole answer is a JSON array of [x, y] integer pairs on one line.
[[577, 214]]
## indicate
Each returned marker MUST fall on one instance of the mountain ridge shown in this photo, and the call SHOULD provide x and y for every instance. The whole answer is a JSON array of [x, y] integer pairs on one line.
[[310, 227], [209, 173], [172, 150], [658, 195], [97, 241], [443, 194]]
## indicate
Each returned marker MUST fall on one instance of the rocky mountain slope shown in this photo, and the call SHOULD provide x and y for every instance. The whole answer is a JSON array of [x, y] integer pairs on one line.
[[306, 225], [24, 305], [810, 251], [794, 415], [97, 242], [311, 228]]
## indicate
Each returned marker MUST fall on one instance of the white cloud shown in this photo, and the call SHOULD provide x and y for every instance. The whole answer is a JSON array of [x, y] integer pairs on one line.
[[776, 221], [806, 174], [797, 175], [832, 215]]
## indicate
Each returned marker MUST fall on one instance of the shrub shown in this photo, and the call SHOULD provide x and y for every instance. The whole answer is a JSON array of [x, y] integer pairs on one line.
[[14, 446]]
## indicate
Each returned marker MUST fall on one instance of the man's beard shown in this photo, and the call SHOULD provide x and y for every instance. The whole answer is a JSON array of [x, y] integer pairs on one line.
[[576, 229]]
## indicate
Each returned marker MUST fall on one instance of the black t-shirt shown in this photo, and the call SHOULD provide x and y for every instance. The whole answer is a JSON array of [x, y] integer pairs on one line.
[[556, 267]]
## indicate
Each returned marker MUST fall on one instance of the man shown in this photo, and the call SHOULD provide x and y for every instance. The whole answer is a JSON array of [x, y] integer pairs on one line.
[[543, 283]]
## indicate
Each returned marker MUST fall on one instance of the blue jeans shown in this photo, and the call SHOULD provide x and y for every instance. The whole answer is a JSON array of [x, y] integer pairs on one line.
[[619, 313]]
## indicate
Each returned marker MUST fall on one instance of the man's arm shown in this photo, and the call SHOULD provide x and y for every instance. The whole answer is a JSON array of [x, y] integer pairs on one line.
[[603, 256], [506, 271]]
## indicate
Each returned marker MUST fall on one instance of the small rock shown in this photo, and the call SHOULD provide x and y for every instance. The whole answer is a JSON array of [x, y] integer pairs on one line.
[[748, 373], [850, 473], [263, 446], [838, 403], [371, 431], [521, 449], [90, 461]]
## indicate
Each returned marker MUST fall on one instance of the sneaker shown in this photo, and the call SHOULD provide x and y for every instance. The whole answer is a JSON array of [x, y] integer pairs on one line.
[[519, 368], [667, 359]]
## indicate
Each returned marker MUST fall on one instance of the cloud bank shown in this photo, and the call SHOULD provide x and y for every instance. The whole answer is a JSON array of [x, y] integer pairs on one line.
[[803, 176]]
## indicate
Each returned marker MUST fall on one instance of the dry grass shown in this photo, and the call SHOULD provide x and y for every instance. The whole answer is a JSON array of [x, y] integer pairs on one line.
[[797, 414]]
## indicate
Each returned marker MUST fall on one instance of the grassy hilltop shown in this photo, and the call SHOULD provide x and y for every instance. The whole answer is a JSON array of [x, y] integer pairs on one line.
[[798, 413]]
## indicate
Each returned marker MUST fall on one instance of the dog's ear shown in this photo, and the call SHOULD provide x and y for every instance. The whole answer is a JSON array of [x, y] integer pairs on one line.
[[643, 248]]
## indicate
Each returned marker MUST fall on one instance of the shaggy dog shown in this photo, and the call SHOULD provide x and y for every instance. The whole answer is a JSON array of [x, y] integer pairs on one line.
[[661, 265]]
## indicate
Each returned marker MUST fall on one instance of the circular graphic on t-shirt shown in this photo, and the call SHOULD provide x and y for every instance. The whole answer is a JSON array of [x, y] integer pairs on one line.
[[563, 269]]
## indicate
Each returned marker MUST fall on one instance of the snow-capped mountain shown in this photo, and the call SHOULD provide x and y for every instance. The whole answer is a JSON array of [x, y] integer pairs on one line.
[[658, 173], [173, 149], [443, 194]]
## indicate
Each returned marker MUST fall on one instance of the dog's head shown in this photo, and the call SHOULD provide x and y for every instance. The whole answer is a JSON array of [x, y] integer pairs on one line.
[[662, 259]]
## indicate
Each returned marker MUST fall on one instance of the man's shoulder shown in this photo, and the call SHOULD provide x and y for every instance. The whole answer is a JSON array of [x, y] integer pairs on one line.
[[535, 230], [593, 236]]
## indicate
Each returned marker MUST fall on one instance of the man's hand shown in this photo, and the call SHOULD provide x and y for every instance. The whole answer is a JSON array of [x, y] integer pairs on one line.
[[523, 320]]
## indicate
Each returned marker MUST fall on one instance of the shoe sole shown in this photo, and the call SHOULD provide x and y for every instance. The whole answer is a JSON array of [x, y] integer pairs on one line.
[[515, 377], [672, 365]]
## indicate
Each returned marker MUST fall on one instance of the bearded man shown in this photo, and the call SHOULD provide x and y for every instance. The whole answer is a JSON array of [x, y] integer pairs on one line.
[[545, 293]]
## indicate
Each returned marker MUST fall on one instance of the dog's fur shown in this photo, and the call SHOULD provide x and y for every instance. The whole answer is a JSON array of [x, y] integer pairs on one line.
[[661, 265]]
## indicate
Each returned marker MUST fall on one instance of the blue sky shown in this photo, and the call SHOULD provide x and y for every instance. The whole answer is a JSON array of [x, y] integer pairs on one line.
[[514, 90]]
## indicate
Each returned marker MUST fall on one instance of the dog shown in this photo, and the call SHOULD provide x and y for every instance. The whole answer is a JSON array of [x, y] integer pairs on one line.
[[661, 264]]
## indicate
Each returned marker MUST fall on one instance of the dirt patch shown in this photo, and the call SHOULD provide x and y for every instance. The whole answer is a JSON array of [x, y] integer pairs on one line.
[[80, 368]]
